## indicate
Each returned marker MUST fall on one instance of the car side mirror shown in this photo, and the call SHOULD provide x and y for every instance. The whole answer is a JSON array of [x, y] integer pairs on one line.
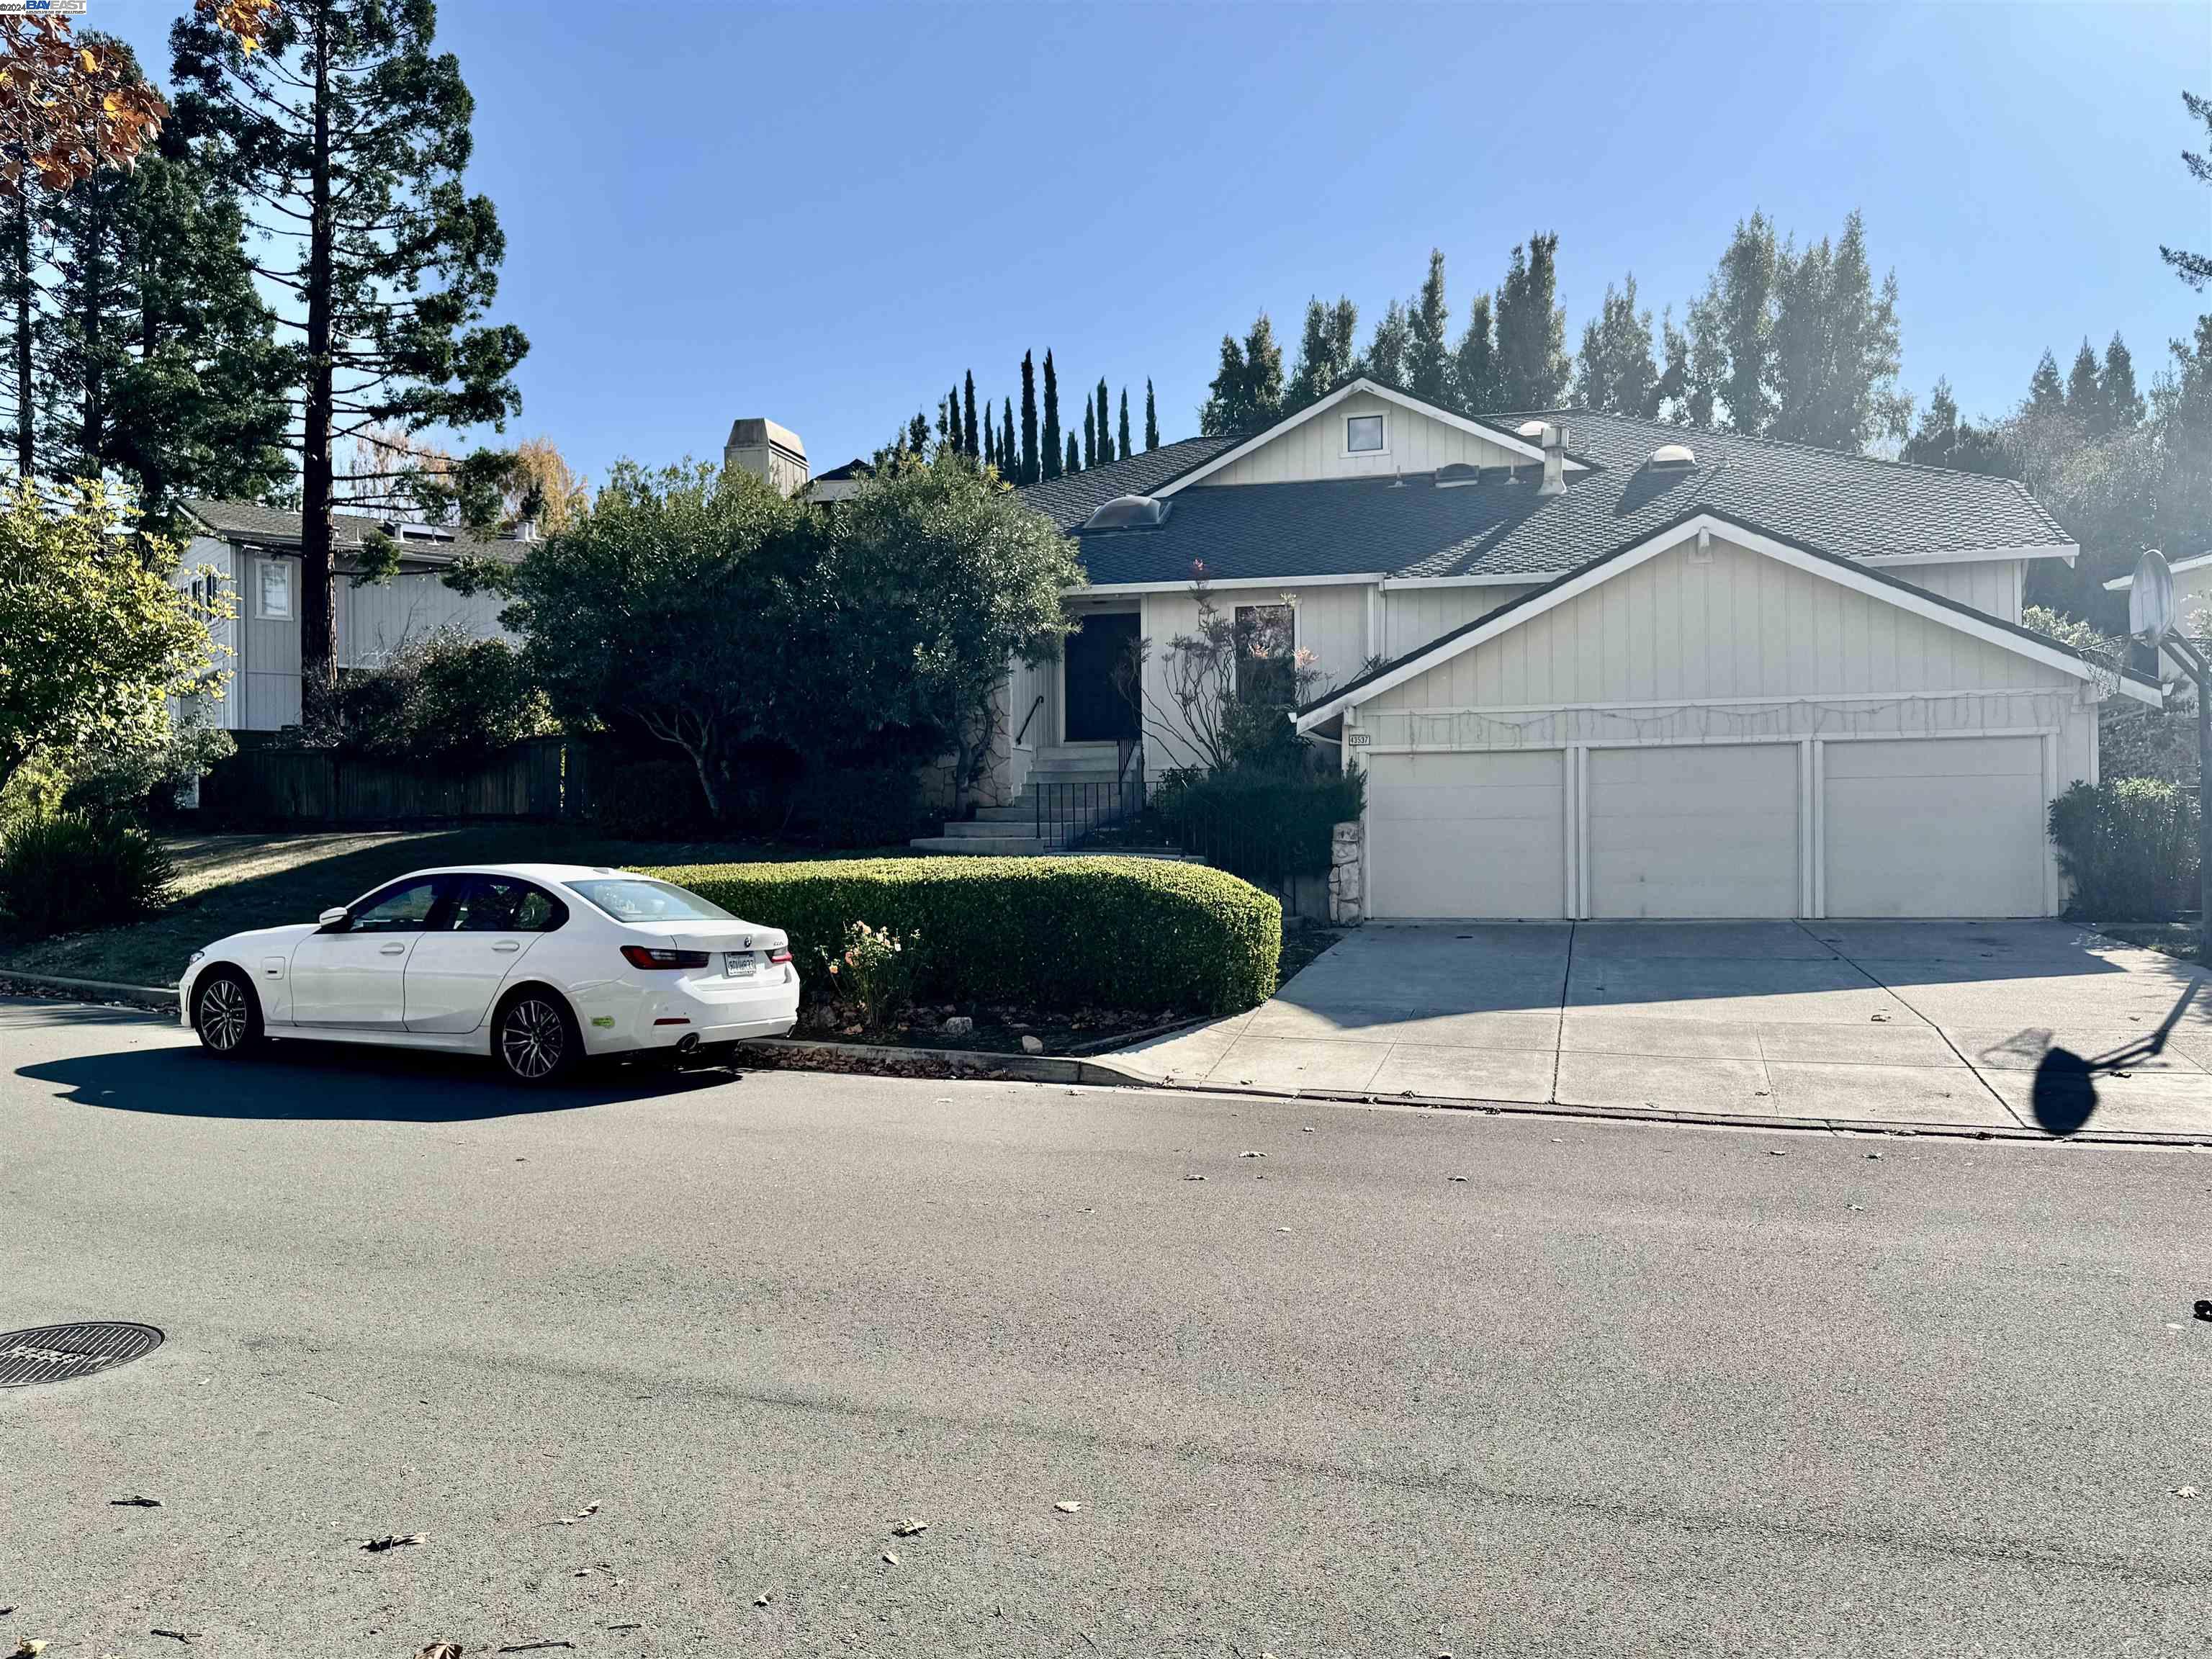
[[334, 919]]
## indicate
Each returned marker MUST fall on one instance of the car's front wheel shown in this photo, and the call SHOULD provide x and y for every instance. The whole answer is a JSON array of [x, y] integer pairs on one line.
[[226, 1014], [534, 1039]]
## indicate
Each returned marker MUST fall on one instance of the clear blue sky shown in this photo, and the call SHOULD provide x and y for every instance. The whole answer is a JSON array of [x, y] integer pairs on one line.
[[826, 216]]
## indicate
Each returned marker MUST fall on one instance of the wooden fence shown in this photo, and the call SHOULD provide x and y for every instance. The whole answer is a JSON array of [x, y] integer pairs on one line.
[[544, 778]]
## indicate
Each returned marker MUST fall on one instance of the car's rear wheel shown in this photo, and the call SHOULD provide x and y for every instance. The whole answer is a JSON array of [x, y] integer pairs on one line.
[[226, 1014], [534, 1038]]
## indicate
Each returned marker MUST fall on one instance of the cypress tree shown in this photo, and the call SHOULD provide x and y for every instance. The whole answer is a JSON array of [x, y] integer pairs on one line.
[[1105, 423], [1007, 468], [1073, 465], [990, 439], [1152, 417], [1032, 465], [1474, 364], [1533, 365], [1124, 436], [1051, 455], [968, 420], [1090, 435]]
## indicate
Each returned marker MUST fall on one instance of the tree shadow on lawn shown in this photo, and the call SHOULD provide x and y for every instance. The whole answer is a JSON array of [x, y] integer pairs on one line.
[[298, 1081]]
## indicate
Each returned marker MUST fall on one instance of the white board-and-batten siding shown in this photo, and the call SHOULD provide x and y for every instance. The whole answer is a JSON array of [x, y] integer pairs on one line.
[[1411, 442], [1992, 587]]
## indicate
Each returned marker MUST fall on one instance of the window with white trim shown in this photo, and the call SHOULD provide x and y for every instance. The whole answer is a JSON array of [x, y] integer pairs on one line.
[[1363, 434], [274, 590]]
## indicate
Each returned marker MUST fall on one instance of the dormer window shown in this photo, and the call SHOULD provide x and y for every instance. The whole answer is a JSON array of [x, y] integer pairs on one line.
[[1363, 434]]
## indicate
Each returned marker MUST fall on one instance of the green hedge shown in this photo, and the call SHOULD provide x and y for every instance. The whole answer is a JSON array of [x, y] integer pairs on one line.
[[1265, 826], [2129, 848], [1058, 932]]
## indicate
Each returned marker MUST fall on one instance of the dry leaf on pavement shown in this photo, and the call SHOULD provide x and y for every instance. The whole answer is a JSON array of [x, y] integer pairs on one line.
[[392, 1541], [909, 1527], [1067, 1509], [134, 1503]]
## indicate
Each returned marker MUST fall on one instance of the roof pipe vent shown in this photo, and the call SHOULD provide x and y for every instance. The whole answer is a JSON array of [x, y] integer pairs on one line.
[[1555, 461]]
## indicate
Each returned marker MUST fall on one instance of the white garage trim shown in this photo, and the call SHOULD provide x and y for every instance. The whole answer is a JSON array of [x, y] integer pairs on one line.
[[1845, 573]]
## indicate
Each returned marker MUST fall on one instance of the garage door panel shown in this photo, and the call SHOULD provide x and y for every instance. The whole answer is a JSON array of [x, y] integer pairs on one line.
[[1468, 834], [1935, 827], [1700, 830]]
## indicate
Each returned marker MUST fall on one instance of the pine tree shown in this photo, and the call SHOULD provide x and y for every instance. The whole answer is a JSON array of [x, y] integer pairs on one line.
[[1474, 364], [1009, 465], [1089, 434], [1073, 465], [2085, 393], [1943, 439], [2116, 384], [968, 420], [917, 434], [1533, 365], [2046, 392], [22, 253], [1123, 436], [1032, 464], [1052, 462], [355, 131], [1328, 348], [2194, 268], [1385, 358], [1615, 371], [1152, 417], [1428, 326], [1247, 391]]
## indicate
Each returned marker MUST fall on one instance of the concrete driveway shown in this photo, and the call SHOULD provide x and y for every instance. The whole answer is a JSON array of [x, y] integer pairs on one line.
[[1964, 1024]]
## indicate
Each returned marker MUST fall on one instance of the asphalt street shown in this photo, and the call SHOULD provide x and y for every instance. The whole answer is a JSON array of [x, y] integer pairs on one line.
[[1407, 1382]]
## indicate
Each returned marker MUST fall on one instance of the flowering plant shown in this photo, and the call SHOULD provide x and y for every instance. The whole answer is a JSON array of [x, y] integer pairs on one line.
[[874, 973]]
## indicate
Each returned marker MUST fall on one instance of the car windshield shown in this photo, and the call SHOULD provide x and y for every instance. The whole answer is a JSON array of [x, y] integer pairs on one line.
[[633, 898]]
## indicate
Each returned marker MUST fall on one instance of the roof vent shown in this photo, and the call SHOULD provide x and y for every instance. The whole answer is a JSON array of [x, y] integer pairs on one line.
[[1673, 455], [1458, 472], [1129, 513]]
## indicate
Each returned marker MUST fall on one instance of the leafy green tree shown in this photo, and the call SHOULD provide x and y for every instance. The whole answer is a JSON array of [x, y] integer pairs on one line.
[[1152, 417], [1742, 303], [1704, 360], [1943, 439], [1428, 354], [1615, 372], [968, 420], [1387, 347], [1474, 362], [2046, 392], [1327, 347], [1122, 436], [1835, 341], [97, 636], [352, 132], [1030, 463], [2194, 268], [1533, 365], [1052, 458], [1247, 391]]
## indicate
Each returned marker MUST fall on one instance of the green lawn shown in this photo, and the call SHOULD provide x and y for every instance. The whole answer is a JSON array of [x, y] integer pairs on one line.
[[226, 883]]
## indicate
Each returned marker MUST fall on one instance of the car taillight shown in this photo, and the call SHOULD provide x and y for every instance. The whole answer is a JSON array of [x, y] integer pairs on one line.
[[648, 956], [784, 955]]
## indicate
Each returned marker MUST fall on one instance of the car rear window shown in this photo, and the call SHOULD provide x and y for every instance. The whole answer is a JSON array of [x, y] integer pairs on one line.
[[634, 898]]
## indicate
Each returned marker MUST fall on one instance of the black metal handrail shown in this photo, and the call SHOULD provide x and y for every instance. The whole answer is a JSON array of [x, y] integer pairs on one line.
[[1066, 813], [1027, 717]]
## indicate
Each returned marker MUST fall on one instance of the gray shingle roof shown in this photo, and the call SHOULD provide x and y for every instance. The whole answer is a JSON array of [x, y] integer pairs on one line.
[[1069, 500], [1849, 505], [271, 526]]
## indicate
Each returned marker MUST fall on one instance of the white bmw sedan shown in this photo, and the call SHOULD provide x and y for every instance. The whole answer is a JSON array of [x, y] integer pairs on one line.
[[540, 966]]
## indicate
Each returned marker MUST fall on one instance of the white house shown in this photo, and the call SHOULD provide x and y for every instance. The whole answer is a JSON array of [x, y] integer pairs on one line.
[[254, 553], [1595, 666]]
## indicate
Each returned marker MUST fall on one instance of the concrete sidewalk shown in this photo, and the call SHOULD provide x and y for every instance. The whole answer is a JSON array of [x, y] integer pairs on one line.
[[1942, 1024]]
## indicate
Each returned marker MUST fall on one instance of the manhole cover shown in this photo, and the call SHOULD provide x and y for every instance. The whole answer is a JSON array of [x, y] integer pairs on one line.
[[59, 1353]]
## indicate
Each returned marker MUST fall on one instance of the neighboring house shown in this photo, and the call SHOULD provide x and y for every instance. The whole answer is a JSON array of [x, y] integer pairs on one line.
[[840, 482], [254, 553], [1595, 666]]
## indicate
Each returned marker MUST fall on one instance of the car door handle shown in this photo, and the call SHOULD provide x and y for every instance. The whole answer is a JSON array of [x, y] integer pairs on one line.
[[390, 949], [508, 945]]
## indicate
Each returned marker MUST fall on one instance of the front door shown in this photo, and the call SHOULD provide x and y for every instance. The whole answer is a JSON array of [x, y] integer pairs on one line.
[[356, 975], [1098, 712]]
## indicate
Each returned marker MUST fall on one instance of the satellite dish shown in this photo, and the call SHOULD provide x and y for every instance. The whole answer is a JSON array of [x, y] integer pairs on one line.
[[2150, 598]]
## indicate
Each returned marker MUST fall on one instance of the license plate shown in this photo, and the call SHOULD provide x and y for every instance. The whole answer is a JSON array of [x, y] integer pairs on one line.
[[738, 964]]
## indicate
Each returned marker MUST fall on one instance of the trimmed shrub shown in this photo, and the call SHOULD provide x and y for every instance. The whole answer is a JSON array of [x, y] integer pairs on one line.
[[2129, 848], [1051, 933], [1267, 827], [65, 874]]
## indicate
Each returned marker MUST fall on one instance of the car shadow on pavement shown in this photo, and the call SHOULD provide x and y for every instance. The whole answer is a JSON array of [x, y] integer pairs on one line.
[[318, 1082]]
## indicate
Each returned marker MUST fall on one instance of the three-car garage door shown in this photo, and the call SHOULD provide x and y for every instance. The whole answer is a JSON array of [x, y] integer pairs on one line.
[[1901, 827]]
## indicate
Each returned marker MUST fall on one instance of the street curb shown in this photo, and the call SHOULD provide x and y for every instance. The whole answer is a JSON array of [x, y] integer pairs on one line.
[[154, 995], [1038, 1068]]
